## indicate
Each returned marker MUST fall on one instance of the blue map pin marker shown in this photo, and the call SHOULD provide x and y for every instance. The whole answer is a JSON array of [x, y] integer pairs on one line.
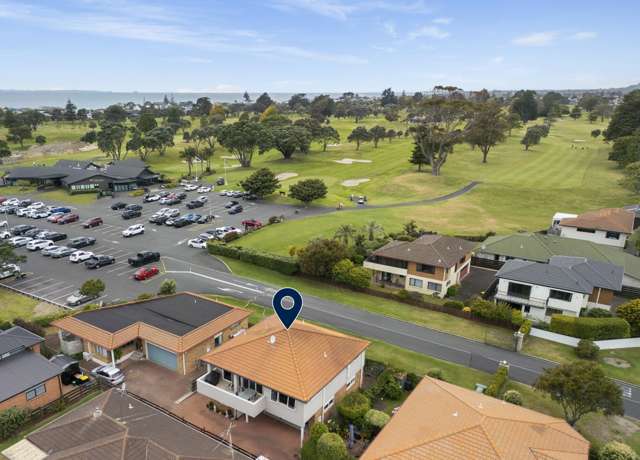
[[287, 303]]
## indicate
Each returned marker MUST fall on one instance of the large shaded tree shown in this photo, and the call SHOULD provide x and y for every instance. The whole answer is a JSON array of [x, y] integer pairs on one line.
[[18, 134], [114, 114], [243, 139], [288, 139], [359, 135], [110, 140], [525, 104], [308, 190], [626, 117], [261, 104], [327, 134], [261, 183], [319, 256], [377, 133], [322, 106], [488, 127]]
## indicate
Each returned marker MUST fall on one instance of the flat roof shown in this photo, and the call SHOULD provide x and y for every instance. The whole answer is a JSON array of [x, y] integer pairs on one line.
[[177, 314], [24, 370]]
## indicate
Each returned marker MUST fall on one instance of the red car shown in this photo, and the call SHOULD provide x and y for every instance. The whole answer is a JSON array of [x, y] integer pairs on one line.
[[93, 222], [68, 218], [145, 273], [3, 199], [251, 224]]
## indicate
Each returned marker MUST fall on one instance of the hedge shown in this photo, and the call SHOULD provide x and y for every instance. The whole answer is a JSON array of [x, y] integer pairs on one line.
[[497, 382], [590, 328], [282, 264]]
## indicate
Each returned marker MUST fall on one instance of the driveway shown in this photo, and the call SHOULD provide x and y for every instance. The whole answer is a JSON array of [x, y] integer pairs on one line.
[[477, 281], [156, 383]]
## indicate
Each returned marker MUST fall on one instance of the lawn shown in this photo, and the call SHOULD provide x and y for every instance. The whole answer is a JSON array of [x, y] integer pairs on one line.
[[13, 305]]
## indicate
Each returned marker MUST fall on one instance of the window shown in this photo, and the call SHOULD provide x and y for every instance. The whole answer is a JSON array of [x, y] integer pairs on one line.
[[217, 340], [519, 290], [36, 391], [101, 350], [246, 383], [552, 311], [283, 399], [415, 282], [424, 268], [274, 395], [351, 382], [227, 375], [387, 261], [560, 295], [585, 230], [328, 404], [434, 286], [613, 235]]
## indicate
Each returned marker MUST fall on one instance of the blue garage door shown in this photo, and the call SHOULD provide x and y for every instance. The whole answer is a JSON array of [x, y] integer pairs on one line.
[[161, 356]]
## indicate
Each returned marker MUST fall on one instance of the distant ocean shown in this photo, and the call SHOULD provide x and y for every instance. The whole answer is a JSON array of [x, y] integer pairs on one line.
[[100, 99]]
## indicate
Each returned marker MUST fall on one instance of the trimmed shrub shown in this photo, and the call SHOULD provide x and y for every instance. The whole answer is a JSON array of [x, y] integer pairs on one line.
[[436, 373], [386, 386], [525, 328], [492, 311], [231, 236], [452, 291], [167, 287], [467, 309], [340, 271], [137, 192], [454, 304], [590, 328], [403, 294], [616, 450], [308, 451], [411, 381], [513, 397], [281, 264], [359, 277], [376, 420], [630, 311], [11, 421], [596, 313], [586, 349], [497, 382], [330, 446], [353, 407], [516, 317], [317, 430]]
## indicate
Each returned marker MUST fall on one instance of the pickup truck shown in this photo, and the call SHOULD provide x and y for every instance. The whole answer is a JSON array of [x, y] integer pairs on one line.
[[143, 258]]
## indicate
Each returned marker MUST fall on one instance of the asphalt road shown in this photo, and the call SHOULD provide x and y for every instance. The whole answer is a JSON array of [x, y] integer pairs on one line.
[[194, 270]]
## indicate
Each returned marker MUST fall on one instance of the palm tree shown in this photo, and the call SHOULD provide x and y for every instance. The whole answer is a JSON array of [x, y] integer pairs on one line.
[[345, 233], [189, 154], [371, 228]]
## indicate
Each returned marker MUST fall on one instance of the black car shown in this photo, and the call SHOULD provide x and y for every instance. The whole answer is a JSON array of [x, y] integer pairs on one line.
[[164, 193], [20, 230], [231, 204], [250, 197], [158, 219], [130, 214], [133, 207], [24, 203], [11, 210], [143, 258], [181, 222], [173, 201], [181, 196], [57, 236], [237, 209], [81, 242], [195, 204], [118, 205], [220, 181], [99, 261], [32, 233]]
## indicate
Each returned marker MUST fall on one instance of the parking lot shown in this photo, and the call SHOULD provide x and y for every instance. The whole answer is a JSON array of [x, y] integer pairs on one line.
[[54, 280]]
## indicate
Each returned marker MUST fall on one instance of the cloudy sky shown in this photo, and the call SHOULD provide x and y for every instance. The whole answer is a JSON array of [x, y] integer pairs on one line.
[[317, 45]]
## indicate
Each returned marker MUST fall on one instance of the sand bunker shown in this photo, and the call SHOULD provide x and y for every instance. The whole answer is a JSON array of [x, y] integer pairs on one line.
[[287, 175], [578, 140], [333, 145], [354, 182], [228, 157], [350, 161], [617, 362]]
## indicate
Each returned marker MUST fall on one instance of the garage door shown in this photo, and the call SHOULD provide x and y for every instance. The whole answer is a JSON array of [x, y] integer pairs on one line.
[[161, 356]]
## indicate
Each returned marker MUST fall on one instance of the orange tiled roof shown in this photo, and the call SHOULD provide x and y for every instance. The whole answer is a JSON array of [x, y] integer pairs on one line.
[[607, 219], [441, 421], [299, 361]]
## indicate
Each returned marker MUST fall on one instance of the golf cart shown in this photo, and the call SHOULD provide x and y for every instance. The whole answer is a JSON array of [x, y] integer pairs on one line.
[[71, 372]]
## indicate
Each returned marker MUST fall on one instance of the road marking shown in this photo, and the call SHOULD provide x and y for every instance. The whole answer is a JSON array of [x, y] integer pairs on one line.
[[626, 392], [216, 279]]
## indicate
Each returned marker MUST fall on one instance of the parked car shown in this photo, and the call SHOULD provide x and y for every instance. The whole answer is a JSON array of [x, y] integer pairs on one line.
[[174, 200], [231, 204], [48, 251], [151, 198], [98, 261], [166, 199], [62, 251], [251, 224], [62, 209], [93, 222], [39, 214], [12, 202], [37, 205], [8, 209], [181, 196], [224, 192], [54, 217], [182, 222], [220, 181], [22, 212], [5, 235], [145, 273], [158, 219], [143, 258], [195, 204], [80, 256], [197, 243], [220, 232], [110, 373], [172, 212], [77, 298], [8, 270], [68, 218], [133, 207], [130, 214], [117, 206], [33, 233], [21, 229], [19, 241], [81, 242], [237, 209], [37, 245], [237, 194], [206, 218], [24, 203], [133, 230], [56, 236], [3, 199], [190, 187], [205, 189]]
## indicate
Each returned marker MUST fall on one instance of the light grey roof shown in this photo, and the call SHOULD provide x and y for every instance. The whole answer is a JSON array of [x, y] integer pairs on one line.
[[16, 339], [24, 370], [575, 274]]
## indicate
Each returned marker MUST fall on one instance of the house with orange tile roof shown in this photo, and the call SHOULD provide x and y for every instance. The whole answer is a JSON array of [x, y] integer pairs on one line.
[[442, 421], [295, 375], [173, 331], [610, 226]]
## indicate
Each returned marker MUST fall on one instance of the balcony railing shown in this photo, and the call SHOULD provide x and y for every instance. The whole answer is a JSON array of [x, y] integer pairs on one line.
[[246, 401], [542, 303]]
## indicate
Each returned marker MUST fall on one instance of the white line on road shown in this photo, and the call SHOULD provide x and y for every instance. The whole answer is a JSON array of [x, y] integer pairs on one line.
[[215, 279]]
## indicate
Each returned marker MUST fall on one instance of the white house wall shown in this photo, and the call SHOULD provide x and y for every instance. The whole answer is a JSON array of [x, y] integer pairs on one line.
[[540, 296], [599, 237]]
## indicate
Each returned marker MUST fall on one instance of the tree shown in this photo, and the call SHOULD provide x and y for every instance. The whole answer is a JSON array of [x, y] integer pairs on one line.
[[89, 137], [418, 158], [603, 110], [8, 255], [388, 97], [514, 121], [111, 139], [31, 117], [354, 405], [377, 132], [246, 97], [589, 101], [114, 114], [288, 139], [261, 183], [616, 450], [375, 420], [345, 232], [576, 112], [299, 102], [261, 104], [18, 134], [531, 137], [581, 387], [320, 255], [596, 133], [328, 134], [524, 104], [550, 101], [626, 149], [487, 128], [631, 312], [70, 112], [189, 154], [168, 287], [174, 113], [202, 107], [40, 139], [631, 179], [371, 228], [146, 122], [308, 190], [5, 151], [626, 117], [359, 135], [12, 420], [391, 134], [391, 113], [92, 287], [243, 138], [331, 446], [322, 107], [593, 117]]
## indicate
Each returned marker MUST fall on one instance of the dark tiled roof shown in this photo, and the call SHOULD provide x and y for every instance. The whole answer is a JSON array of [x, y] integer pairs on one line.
[[24, 370], [436, 250], [178, 314], [16, 339]]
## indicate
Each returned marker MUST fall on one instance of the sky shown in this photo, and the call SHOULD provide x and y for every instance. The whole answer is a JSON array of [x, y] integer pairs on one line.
[[317, 45]]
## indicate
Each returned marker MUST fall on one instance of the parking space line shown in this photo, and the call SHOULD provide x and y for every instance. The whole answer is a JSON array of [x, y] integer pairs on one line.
[[27, 281], [65, 288], [46, 288], [66, 294]]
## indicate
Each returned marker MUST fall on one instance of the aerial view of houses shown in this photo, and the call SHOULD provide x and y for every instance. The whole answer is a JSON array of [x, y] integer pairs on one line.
[[319, 230]]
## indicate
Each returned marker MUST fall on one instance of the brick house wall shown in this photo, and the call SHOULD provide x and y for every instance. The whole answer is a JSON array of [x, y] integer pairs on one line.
[[53, 392]]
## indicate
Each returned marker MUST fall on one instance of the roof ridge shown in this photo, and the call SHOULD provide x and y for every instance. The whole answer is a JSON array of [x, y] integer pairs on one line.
[[489, 439], [295, 365]]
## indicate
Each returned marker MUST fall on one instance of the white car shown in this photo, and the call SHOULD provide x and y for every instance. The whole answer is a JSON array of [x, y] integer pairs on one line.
[[12, 202], [165, 200], [206, 236], [37, 205], [190, 187], [48, 251], [205, 189], [37, 245], [197, 243], [22, 212], [8, 270], [162, 211], [110, 373], [4, 223], [153, 198], [80, 256], [224, 193], [202, 198], [19, 241], [5, 234], [137, 229]]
